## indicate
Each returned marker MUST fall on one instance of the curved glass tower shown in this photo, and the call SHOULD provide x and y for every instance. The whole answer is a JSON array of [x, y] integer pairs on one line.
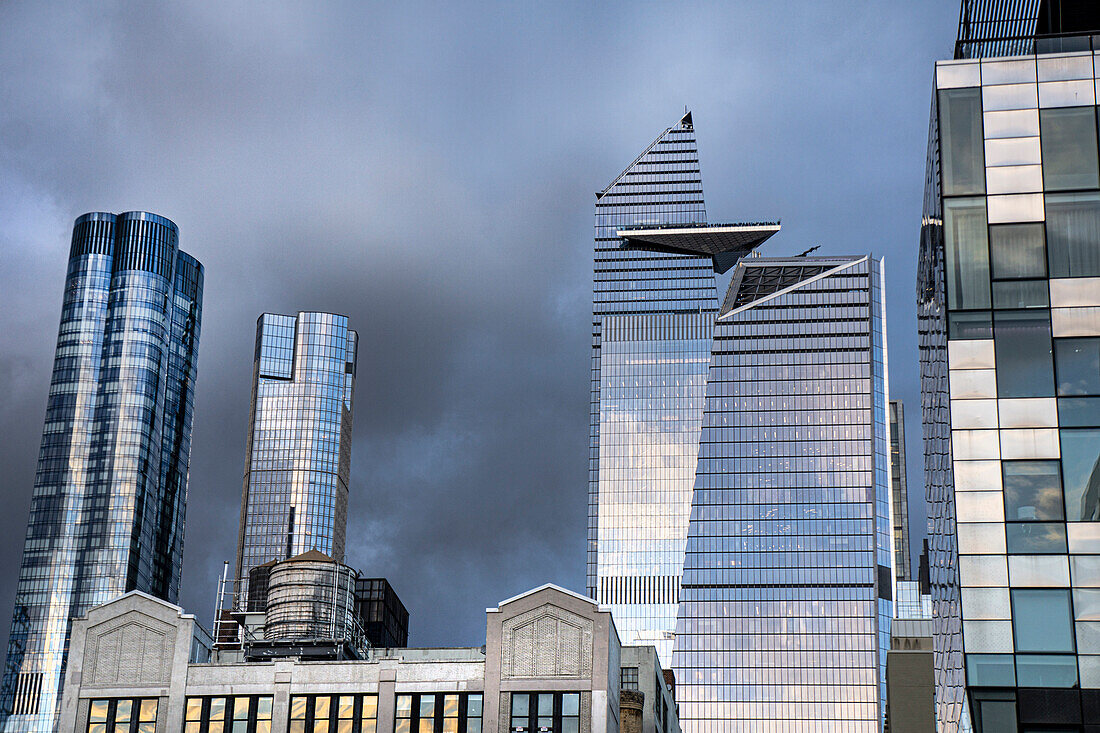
[[111, 483], [295, 496]]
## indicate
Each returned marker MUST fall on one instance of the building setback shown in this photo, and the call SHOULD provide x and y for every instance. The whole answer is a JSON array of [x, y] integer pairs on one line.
[[551, 662], [654, 302], [110, 487], [298, 462], [902, 567], [784, 618], [1009, 316]]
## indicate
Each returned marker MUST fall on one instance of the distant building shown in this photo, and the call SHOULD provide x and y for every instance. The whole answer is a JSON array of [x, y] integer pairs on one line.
[[551, 662], [910, 683], [110, 489], [298, 463], [899, 491]]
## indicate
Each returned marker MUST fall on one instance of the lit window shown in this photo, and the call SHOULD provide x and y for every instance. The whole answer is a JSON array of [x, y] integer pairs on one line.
[[238, 714], [123, 716]]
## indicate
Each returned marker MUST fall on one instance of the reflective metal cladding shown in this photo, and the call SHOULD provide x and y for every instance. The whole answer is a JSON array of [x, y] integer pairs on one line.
[[110, 488], [295, 494]]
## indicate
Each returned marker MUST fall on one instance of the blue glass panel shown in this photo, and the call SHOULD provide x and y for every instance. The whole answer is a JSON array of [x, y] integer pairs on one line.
[[990, 670]]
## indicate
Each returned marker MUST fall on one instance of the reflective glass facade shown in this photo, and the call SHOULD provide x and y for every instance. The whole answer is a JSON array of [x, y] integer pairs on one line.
[[651, 330], [899, 491], [1009, 312], [295, 495], [784, 618], [111, 482]]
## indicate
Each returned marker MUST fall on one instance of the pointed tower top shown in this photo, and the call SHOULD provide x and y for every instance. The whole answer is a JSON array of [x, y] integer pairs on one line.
[[685, 121]]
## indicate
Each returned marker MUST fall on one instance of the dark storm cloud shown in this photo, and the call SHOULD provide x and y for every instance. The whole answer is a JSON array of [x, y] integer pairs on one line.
[[428, 169]]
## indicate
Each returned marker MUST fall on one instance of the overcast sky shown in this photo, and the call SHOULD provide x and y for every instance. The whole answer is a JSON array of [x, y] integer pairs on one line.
[[428, 169]]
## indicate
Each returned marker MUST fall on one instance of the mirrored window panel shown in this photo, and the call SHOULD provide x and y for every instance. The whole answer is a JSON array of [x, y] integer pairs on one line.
[[961, 144], [970, 326], [1035, 538], [1018, 250], [1069, 148], [1081, 473], [1023, 352], [1078, 364], [438, 712], [967, 249], [1042, 620], [1021, 294], [1033, 491], [1045, 670], [126, 715], [1073, 234], [545, 712], [1079, 412], [232, 714]]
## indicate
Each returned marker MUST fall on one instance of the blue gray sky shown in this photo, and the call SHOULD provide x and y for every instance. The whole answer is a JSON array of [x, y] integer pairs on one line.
[[428, 169]]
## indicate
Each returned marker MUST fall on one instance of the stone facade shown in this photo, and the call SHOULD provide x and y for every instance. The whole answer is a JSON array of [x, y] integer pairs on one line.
[[548, 640]]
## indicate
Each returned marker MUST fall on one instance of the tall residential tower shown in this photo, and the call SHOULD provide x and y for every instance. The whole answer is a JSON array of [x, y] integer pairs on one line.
[[1009, 316], [295, 496], [653, 316], [111, 482], [784, 619]]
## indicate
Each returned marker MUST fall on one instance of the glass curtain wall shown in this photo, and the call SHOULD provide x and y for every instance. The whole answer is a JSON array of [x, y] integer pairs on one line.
[[784, 618], [111, 483], [298, 462], [1010, 309], [652, 319]]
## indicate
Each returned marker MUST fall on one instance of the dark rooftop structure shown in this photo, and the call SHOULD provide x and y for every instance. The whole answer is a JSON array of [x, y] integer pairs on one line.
[[989, 28], [724, 243], [383, 616]]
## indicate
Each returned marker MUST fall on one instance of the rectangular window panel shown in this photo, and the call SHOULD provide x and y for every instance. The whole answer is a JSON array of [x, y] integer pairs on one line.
[[125, 715], [1045, 670], [1018, 250], [1079, 412], [961, 142], [1042, 620], [1035, 538], [1022, 343], [1069, 148], [1021, 294], [990, 670], [969, 326], [998, 715], [1073, 234], [1081, 474], [966, 244], [1078, 363], [237, 714], [1033, 491]]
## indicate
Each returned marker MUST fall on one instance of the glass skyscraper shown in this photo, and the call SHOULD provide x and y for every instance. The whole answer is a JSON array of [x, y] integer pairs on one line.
[[298, 461], [653, 314], [110, 487], [899, 491], [1009, 314], [784, 616]]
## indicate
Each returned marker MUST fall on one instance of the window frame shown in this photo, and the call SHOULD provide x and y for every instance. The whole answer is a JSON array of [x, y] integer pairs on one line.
[[134, 723]]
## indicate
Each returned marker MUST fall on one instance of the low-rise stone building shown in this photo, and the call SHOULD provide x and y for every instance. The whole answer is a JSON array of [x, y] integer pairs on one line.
[[552, 663]]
